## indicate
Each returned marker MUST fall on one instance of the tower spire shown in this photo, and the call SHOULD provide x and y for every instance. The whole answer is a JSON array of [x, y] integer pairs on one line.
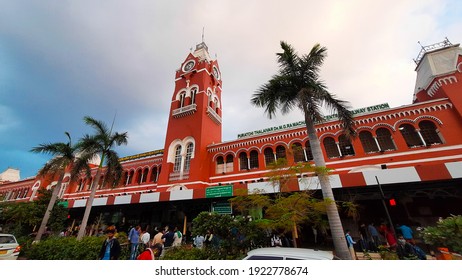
[[203, 34]]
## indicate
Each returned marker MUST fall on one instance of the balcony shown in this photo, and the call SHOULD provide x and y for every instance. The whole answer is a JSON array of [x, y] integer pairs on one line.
[[184, 111], [213, 115]]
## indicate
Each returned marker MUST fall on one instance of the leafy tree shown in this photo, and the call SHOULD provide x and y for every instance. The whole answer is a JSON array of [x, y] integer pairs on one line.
[[235, 233], [64, 156], [284, 211], [20, 218], [446, 233], [101, 144], [298, 85]]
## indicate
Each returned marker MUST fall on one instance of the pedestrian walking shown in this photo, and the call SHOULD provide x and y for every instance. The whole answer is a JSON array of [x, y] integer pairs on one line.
[[110, 250]]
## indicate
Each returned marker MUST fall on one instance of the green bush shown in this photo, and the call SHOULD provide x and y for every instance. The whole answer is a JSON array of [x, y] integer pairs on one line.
[[387, 254], [68, 248], [447, 233], [235, 234], [191, 253]]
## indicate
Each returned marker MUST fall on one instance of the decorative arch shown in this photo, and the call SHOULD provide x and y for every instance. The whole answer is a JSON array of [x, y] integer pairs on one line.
[[427, 117], [391, 127], [399, 122]]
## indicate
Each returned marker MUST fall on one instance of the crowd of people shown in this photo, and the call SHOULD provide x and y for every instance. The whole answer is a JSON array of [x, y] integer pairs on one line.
[[399, 239], [143, 247]]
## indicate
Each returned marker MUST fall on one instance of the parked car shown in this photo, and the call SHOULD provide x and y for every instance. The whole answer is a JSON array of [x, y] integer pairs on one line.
[[288, 253], [9, 247]]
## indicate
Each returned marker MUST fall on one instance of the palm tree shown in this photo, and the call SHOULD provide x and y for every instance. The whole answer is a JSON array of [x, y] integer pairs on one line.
[[298, 85], [101, 144], [65, 156]]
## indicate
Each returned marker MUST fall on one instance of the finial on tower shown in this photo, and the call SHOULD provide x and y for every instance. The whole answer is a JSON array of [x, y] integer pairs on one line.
[[203, 34], [202, 44]]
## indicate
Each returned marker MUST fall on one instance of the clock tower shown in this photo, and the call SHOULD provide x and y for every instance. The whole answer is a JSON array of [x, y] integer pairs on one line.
[[194, 122]]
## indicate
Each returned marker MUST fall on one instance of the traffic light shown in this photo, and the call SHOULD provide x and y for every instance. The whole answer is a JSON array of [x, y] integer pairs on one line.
[[392, 202]]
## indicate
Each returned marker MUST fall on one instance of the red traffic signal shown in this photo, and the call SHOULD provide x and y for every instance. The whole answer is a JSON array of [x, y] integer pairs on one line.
[[392, 202]]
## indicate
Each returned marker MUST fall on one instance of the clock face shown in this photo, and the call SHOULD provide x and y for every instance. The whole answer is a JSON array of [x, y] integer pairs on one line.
[[216, 73], [188, 66]]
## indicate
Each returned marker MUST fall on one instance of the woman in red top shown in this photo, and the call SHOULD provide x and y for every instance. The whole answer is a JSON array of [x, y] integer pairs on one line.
[[151, 253], [388, 233]]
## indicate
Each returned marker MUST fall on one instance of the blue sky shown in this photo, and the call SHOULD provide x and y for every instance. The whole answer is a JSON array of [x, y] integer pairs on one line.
[[63, 60]]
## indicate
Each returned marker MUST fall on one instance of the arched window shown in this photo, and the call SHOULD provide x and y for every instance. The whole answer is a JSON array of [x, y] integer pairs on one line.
[[299, 155], [280, 152], [220, 165], [308, 152], [193, 95], [368, 142], [346, 148], [81, 184], [384, 138], [209, 98], [269, 155], [331, 147], [410, 135], [177, 164], [145, 175], [153, 174], [123, 180], [253, 159], [430, 133], [215, 103], [101, 182], [243, 164], [139, 176], [187, 161], [229, 163], [182, 98], [90, 182], [131, 177]]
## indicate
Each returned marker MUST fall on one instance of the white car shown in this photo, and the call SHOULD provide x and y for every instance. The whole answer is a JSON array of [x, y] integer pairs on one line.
[[288, 253], [9, 247]]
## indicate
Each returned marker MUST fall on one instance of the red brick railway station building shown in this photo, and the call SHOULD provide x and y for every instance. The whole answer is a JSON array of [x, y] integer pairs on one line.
[[414, 151]]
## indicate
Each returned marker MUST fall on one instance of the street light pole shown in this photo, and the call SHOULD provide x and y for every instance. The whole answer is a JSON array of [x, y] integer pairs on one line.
[[385, 207]]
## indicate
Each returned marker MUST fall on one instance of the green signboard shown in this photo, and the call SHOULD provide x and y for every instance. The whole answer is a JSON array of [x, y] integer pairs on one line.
[[222, 208], [223, 191], [64, 203]]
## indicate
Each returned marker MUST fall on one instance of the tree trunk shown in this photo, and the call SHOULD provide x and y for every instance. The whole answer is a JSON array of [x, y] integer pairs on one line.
[[89, 204], [294, 235], [335, 224], [51, 204]]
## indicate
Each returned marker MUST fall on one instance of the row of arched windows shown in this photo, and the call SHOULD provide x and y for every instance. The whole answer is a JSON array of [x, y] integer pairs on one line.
[[129, 177], [379, 140], [14, 194]]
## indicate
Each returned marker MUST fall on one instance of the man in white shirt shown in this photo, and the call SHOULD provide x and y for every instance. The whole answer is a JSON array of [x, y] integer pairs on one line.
[[145, 238]]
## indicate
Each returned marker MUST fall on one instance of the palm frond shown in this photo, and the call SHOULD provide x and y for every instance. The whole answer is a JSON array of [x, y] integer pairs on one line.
[[342, 109], [99, 126], [288, 60], [113, 168], [120, 138]]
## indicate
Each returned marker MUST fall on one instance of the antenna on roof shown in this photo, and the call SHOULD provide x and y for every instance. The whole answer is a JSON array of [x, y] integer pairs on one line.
[[203, 34], [418, 42]]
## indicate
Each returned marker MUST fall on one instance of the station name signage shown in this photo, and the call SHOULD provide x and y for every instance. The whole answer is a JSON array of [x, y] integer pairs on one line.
[[147, 154], [369, 109]]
